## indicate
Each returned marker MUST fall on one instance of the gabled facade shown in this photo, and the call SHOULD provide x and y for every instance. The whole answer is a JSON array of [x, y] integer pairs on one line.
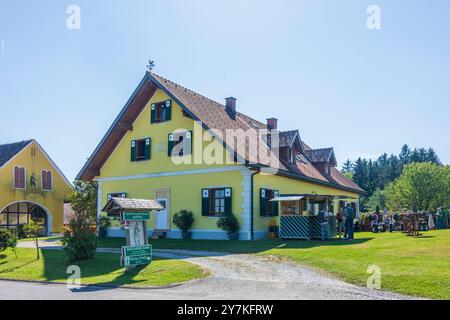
[[171, 144], [31, 187]]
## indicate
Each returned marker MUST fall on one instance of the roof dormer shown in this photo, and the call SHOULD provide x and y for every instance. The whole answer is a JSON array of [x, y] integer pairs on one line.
[[322, 159]]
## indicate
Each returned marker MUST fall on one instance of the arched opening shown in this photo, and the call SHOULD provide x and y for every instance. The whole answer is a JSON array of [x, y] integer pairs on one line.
[[20, 213]]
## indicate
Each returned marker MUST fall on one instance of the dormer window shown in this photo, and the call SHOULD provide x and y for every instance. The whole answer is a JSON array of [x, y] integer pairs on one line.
[[161, 112]]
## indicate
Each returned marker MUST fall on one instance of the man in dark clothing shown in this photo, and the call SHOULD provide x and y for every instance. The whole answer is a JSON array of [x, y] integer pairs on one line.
[[348, 215]]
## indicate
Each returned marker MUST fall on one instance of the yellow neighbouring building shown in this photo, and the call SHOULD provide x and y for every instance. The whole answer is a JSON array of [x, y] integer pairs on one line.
[[31, 187], [158, 147]]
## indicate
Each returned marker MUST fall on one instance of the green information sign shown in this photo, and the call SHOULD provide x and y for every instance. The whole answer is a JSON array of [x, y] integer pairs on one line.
[[136, 260], [139, 255], [137, 251], [136, 216]]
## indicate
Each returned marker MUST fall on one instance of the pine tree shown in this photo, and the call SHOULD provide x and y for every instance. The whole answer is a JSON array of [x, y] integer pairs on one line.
[[433, 157], [405, 154], [347, 166]]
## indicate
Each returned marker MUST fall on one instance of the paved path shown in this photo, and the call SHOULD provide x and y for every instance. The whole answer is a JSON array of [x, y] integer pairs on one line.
[[235, 276]]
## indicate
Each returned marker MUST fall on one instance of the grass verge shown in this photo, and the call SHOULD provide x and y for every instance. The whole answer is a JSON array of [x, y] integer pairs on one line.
[[103, 270]]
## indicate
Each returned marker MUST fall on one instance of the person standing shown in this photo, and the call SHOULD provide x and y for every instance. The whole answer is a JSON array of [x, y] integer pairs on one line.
[[439, 217], [348, 215], [324, 217], [444, 218], [340, 222], [431, 224]]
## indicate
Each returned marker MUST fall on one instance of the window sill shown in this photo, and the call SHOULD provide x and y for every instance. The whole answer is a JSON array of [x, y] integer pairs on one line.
[[269, 216], [216, 215], [160, 122]]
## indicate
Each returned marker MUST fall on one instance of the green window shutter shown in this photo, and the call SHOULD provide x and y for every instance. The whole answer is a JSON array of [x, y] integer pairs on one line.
[[133, 150], [205, 202], [276, 204], [228, 201], [168, 108], [262, 202], [148, 148], [153, 113], [170, 144]]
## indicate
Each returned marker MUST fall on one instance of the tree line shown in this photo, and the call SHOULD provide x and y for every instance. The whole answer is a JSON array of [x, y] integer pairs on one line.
[[374, 176]]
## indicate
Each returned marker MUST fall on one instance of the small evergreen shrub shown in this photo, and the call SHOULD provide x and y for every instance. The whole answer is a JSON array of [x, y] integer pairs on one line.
[[184, 220], [228, 223], [79, 241]]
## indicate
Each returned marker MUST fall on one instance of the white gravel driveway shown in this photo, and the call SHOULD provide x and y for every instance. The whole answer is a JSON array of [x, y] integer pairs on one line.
[[234, 276]]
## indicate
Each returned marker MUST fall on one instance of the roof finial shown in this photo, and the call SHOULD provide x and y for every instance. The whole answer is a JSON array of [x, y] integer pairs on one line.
[[151, 65]]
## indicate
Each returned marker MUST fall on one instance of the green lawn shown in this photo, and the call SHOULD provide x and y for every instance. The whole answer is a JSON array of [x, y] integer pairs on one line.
[[415, 266], [103, 270]]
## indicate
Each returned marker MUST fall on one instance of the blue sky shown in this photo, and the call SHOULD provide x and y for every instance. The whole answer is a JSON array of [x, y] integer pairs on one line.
[[312, 64]]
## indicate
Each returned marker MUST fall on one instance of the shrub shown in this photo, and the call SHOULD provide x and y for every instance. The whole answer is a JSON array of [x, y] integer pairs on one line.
[[79, 243], [103, 224], [228, 223], [7, 239], [183, 220], [79, 238]]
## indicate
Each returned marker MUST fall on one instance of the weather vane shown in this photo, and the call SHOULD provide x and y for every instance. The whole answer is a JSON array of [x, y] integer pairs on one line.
[[151, 65]]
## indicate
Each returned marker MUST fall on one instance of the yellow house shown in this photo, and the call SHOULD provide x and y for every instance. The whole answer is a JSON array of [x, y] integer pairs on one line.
[[189, 152], [31, 187]]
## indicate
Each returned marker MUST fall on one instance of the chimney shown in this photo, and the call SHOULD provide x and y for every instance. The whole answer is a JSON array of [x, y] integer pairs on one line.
[[230, 107], [272, 123]]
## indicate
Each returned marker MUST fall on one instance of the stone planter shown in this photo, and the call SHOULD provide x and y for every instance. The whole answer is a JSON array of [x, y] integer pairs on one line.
[[186, 235], [233, 235]]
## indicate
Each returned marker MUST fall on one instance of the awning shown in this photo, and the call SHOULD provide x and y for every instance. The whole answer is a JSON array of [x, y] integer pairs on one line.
[[287, 198]]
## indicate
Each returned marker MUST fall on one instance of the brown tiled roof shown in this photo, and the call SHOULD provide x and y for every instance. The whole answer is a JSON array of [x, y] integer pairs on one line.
[[214, 116], [337, 177]]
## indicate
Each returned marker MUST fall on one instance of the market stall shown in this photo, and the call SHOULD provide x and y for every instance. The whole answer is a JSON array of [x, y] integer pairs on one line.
[[299, 215]]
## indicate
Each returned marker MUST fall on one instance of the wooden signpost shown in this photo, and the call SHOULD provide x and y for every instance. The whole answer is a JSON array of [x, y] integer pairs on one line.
[[135, 214]]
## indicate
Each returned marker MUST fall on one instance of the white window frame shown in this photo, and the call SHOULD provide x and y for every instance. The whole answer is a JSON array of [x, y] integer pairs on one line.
[[42, 181], [14, 177]]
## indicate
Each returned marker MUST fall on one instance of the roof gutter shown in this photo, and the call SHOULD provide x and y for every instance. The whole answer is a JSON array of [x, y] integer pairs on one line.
[[288, 174]]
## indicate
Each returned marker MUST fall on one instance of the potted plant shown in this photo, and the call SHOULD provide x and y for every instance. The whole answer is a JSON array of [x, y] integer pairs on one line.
[[184, 221], [230, 224]]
